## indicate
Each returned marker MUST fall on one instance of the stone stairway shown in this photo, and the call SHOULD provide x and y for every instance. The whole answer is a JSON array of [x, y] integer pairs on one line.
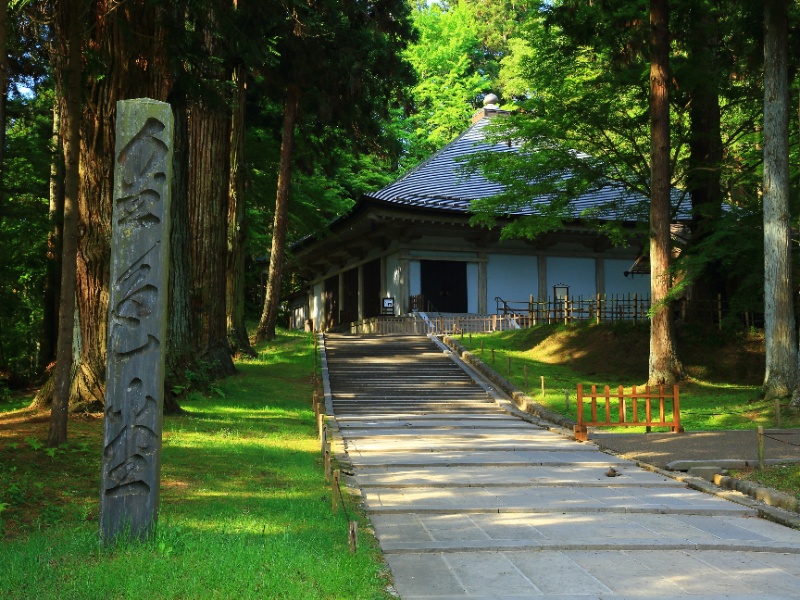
[[400, 375], [468, 500]]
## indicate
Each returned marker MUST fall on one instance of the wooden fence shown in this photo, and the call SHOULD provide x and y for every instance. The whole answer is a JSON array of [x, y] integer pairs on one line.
[[422, 324], [601, 308], [626, 412], [509, 314]]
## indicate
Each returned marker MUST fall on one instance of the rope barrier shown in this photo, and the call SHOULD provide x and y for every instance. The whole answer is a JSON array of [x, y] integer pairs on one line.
[[352, 526], [782, 441]]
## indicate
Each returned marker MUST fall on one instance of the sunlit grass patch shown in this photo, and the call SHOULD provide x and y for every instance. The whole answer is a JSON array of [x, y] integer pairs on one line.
[[556, 358], [785, 478], [245, 509]]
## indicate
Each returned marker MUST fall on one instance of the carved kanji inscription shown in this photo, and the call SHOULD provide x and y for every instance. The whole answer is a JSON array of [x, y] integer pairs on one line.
[[137, 321]]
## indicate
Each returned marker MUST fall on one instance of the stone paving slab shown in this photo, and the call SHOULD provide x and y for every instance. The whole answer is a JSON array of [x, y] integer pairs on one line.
[[547, 499], [458, 421], [594, 475], [664, 574], [423, 532], [464, 458], [405, 425], [444, 441]]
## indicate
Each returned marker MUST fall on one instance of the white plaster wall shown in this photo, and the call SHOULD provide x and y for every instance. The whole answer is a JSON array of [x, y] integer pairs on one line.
[[393, 278], [472, 287], [511, 277], [617, 283], [414, 278], [317, 305], [577, 273]]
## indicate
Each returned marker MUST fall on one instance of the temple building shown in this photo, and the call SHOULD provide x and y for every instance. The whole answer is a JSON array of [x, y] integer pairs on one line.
[[410, 248]]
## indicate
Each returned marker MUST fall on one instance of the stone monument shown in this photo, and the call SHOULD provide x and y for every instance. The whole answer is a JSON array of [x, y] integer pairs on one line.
[[130, 489]]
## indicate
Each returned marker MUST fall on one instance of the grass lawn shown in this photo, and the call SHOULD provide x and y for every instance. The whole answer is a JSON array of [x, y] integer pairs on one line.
[[785, 478], [722, 390], [245, 509]]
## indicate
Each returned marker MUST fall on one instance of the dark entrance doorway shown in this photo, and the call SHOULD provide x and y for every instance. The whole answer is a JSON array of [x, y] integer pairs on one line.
[[444, 285]]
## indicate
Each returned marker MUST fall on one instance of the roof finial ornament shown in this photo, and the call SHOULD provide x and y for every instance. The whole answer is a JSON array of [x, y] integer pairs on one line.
[[490, 100]]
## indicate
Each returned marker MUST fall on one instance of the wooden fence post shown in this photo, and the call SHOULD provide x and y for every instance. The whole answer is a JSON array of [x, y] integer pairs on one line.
[[580, 430], [352, 536], [336, 492], [598, 309], [676, 410], [530, 309]]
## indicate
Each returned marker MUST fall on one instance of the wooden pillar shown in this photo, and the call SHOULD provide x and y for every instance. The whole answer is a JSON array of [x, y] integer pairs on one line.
[[404, 288], [360, 292], [600, 275], [483, 300], [384, 285], [341, 298], [542, 283]]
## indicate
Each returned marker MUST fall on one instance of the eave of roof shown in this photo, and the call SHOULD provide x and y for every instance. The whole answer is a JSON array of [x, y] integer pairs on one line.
[[440, 184]]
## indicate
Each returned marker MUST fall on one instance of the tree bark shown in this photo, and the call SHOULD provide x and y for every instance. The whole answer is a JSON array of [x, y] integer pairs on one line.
[[705, 143], [180, 354], [69, 19], [779, 322], [207, 202], [664, 366], [269, 316], [3, 98], [52, 285], [209, 168], [124, 77], [237, 222]]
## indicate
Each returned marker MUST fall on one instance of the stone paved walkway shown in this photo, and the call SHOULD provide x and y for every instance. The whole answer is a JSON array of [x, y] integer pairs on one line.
[[468, 501]]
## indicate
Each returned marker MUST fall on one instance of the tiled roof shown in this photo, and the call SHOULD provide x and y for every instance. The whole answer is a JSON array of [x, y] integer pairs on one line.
[[441, 182]]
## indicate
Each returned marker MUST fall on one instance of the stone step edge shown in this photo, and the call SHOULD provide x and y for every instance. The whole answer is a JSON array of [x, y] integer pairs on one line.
[[521, 484], [630, 510], [454, 448], [406, 465], [458, 546]]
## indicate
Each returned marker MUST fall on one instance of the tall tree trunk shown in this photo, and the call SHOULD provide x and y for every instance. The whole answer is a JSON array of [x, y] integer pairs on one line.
[[795, 402], [272, 296], [705, 141], [779, 322], [69, 12], [124, 77], [209, 168], [664, 365], [180, 354], [209, 135], [3, 98], [52, 285], [237, 222]]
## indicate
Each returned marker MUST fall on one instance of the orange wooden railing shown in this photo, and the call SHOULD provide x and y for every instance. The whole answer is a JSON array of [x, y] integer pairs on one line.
[[620, 416]]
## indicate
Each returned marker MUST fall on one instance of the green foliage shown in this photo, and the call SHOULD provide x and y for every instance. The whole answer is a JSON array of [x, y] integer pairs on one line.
[[34, 443], [23, 228], [785, 478], [450, 85], [582, 111], [457, 61]]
